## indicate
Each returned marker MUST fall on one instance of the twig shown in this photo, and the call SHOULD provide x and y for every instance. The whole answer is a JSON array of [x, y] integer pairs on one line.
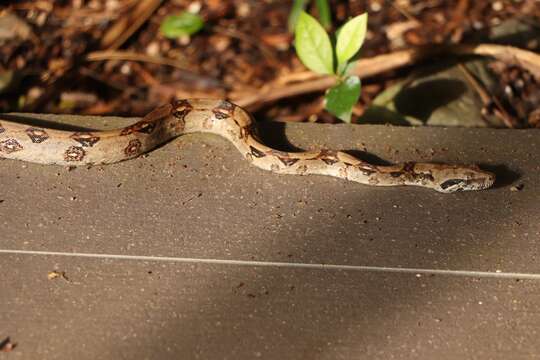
[[85, 71], [509, 54], [133, 56], [296, 77], [487, 99], [125, 26], [233, 33], [188, 75], [386, 62], [403, 11], [454, 25]]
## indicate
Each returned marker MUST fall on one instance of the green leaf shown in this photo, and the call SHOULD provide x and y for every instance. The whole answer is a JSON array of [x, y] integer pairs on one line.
[[313, 45], [351, 37], [185, 23], [297, 7], [341, 98]]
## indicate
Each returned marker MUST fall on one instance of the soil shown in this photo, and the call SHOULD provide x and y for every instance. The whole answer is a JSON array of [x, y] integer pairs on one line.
[[78, 56]]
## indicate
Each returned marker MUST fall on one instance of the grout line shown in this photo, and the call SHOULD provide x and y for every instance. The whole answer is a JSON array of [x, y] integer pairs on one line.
[[320, 266]]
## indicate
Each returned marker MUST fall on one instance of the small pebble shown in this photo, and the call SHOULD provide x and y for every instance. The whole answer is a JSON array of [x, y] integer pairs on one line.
[[376, 6], [153, 48], [125, 69], [243, 10], [194, 7], [184, 40], [477, 25], [497, 6]]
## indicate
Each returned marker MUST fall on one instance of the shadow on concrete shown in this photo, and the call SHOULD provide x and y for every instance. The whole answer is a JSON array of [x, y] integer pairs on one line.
[[32, 121], [273, 135], [504, 175], [322, 322], [306, 314]]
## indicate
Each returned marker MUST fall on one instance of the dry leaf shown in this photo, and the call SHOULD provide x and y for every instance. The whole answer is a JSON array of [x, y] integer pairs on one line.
[[51, 275], [6, 345]]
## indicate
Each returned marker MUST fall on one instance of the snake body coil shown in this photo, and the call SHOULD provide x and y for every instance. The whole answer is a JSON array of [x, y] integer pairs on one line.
[[49, 146]]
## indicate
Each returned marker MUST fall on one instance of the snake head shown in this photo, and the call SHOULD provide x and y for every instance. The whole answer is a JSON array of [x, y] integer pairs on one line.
[[452, 178]]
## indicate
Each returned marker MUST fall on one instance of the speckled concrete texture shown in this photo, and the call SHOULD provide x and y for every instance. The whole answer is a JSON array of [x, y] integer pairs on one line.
[[195, 198]]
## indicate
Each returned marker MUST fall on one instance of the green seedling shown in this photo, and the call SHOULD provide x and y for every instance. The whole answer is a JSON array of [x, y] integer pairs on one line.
[[323, 10], [315, 50]]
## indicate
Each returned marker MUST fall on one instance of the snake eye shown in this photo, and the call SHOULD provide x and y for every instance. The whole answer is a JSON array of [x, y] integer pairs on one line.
[[452, 182]]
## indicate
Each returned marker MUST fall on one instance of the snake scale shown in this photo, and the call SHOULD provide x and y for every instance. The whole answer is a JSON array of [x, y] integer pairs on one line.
[[51, 146]]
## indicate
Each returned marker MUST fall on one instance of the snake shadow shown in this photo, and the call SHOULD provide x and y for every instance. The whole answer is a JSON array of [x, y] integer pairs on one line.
[[273, 135], [504, 176], [42, 123]]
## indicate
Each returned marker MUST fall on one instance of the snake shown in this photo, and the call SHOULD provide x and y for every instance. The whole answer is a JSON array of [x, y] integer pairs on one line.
[[78, 148]]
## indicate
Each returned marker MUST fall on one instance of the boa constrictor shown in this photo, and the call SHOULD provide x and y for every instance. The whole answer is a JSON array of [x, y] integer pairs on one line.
[[51, 146]]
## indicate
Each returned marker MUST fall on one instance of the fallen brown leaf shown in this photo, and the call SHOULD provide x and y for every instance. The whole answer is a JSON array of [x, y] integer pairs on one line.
[[7, 346], [51, 275]]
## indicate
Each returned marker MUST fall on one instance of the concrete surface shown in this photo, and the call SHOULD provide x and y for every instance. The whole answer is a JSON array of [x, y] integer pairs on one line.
[[189, 253]]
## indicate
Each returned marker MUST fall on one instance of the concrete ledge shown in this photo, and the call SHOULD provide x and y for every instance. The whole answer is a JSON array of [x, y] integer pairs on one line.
[[196, 198]]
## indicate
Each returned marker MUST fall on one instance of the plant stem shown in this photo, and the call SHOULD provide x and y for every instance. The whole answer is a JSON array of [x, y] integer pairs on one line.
[[324, 13], [297, 7]]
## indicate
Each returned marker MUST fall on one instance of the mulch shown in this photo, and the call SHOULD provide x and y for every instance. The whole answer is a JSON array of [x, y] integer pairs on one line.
[[108, 57]]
